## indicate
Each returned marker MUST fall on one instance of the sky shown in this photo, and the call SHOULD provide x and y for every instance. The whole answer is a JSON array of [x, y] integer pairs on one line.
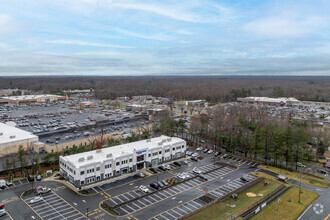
[[165, 37]]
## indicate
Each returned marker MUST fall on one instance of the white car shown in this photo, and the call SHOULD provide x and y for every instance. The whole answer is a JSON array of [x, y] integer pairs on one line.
[[210, 152], [167, 166], [198, 149], [36, 199], [196, 170], [144, 189], [183, 175], [195, 155]]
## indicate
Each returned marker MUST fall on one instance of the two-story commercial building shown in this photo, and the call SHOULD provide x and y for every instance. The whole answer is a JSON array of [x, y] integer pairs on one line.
[[98, 165]]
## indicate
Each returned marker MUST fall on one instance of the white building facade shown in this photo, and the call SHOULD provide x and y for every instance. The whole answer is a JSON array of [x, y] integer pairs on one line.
[[98, 165]]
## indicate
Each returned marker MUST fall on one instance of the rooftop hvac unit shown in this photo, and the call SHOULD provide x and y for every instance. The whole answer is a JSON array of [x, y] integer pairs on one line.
[[81, 159], [98, 150], [1, 133], [12, 136], [109, 155], [89, 157]]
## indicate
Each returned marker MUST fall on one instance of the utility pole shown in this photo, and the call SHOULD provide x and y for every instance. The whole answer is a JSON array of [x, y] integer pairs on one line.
[[300, 187]]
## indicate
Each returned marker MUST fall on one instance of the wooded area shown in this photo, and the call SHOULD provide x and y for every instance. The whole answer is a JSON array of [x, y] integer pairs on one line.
[[213, 89]]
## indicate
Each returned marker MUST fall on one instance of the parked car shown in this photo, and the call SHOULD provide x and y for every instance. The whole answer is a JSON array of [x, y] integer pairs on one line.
[[205, 151], [183, 175], [38, 177], [140, 175], [189, 153], [161, 185], [225, 156], [177, 164], [217, 154], [9, 183], [30, 178], [154, 170], [196, 170], [322, 171], [210, 152], [199, 148], [164, 182], [2, 184], [154, 185], [195, 155], [144, 189], [36, 199], [301, 165], [42, 190], [203, 177], [194, 159], [202, 141], [168, 167], [245, 178], [185, 162], [162, 168], [3, 212]]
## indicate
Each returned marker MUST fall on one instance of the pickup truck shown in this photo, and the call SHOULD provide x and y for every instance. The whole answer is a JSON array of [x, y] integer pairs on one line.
[[42, 190]]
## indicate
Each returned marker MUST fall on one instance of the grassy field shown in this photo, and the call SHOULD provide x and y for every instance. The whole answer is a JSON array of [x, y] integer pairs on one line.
[[310, 180], [219, 210], [287, 210]]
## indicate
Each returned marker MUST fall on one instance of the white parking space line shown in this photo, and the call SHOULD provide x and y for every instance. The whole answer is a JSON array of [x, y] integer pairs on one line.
[[163, 217], [74, 215], [123, 195], [119, 199], [128, 193], [198, 204], [171, 214], [147, 201], [162, 194], [129, 207], [124, 210], [141, 202], [157, 196], [176, 212], [190, 203], [152, 198], [181, 210], [136, 205]]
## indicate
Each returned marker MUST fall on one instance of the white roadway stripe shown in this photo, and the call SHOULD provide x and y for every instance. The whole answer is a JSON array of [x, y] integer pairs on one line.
[[80, 217], [171, 214], [129, 207], [157, 196], [162, 194], [141, 202], [119, 199], [181, 210], [128, 193], [113, 201], [136, 205], [190, 203], [124, 210], [186, 206], [100, 188], [95, 190], [75, 215], [198, 204], [176, 212], [50, 213], [125, 197], [163, 217]]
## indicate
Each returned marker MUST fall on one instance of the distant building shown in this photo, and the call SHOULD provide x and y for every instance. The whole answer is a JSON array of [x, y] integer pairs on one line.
[[93, 166], [79, 92], [196, 103], [88, 104], [33, 98], [266, 101], [11, 138]]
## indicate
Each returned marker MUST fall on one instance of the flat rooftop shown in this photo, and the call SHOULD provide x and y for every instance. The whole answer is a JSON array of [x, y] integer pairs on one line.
[[12, 134], [120, 150], [29, 97]]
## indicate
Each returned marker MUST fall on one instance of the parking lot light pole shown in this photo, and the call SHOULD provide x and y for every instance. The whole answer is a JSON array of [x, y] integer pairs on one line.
[[87, 212]]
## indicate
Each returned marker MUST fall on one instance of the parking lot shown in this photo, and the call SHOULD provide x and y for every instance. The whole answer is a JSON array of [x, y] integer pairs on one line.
[[16, 183], [6, 217], [111, 185], [195, 204], [53, 207], [171, 191]]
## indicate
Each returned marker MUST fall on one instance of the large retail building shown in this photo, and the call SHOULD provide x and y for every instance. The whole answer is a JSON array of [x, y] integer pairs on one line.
[[98, 165]]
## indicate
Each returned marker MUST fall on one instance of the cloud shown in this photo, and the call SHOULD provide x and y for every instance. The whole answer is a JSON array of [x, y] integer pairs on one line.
[[4, 19], [84, 43], [283, 26], [161, 37]]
